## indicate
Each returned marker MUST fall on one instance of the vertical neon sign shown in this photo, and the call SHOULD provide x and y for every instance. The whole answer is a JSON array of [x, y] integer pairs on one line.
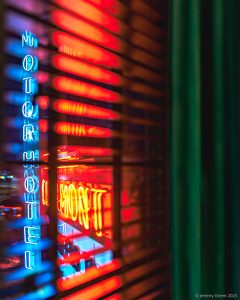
[[30, 115]]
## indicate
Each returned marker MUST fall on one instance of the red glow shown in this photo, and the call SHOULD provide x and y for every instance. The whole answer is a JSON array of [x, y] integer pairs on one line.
[[105, 20], [79, 68], [112, 6], [83, 29], [42, 77], [43, 102], [81, 203], [97, 291], [88, 276], [76, 47], [43, 125], [75, 87], [76, 256], [75, 129], [90, 151], [75, 203], [85, 110], [130, 214], [92, 13], [68, 238], [114, 297]]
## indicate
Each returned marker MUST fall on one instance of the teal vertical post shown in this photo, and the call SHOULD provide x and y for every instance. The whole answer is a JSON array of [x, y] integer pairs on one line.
[[185, 174], [217, 283], [233, 92]]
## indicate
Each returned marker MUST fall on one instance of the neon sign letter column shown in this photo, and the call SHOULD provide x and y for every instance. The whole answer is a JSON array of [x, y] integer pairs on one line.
[[31, 154]]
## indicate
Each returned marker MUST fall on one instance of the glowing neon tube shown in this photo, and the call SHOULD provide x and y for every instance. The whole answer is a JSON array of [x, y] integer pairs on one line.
[[85, 110], [76, 129], [78, 88], [93, 14], [86, 30], [79, 68], [68, 44]]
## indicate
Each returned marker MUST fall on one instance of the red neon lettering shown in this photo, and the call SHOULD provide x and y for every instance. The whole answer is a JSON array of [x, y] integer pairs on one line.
[[78, 203], [45, 192]]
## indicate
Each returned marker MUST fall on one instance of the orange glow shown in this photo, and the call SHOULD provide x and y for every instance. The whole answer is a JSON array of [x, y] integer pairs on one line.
[[91, 151], [108, 22], [88, 276], [76, 47], [76, 129], [92, 13], [43, 125], [79, 68], [78, 203], [78, 88], [43, 102], [130, 214], [112, 6], [85, 110], [86, 30], [44, 190], [67, 238], [76, 256], [97, 291], [114, 297], [101, 37]]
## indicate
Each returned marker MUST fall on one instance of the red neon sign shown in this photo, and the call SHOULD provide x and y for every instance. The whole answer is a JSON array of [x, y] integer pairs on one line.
[[78, 203]]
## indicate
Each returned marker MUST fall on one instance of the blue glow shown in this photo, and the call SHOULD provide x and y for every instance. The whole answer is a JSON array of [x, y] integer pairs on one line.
[[18, 249], [30, 85], [29, 39], [29, 110], [44, 278], [43, 293], [31, 259], [17, 23], [85, 244], [30, 133], [103, 258], [14, 47], [22, 272], [24, 221], [15, 98], [31, 155], [16, 122], [14, 148], [31, 184], [15, 72], [32, 234], [30, 63]]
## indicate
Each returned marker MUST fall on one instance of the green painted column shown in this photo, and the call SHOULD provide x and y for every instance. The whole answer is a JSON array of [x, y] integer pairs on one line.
[[233, 93], [185, 156], [204, 76], [218, 81]]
